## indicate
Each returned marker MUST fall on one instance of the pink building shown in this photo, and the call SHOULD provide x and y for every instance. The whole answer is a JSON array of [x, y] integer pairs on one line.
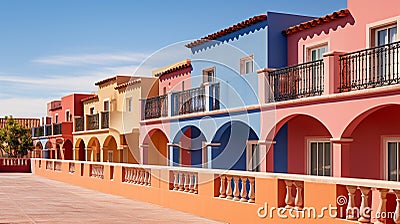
[[54, 140]]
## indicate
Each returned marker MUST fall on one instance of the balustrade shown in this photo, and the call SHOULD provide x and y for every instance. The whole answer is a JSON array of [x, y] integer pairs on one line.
[[237, 188], [97, 171], [185, 181], [133, 175]]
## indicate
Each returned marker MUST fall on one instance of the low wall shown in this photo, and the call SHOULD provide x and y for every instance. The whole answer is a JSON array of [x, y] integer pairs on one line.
[[15, 165], [206, 192]]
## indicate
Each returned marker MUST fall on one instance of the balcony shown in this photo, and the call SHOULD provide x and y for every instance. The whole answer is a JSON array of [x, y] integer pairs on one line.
[[156, 107], [57, 129], [303, 80], [370, 68], [92, 122], [38, 131], [105, 120], [48, 130], [189, 101], [79, 124]]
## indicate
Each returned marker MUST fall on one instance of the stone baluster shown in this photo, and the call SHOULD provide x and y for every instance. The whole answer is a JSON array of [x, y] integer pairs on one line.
[[243, 192], [181, 181], [229, 187], [195, 183], [131, 175], [140, 177], [365, 210], [396, 217], [222, 190], [148, 177], [144, 177], [298, 201], [289, 197], [252, 192], [187, 182], [351, 207], [191, 182], [382, 206], [126, 176], [176, 180], [135, 179], [236, 190]]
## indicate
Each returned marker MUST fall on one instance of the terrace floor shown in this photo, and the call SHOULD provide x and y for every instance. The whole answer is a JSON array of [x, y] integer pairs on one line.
[[26, 198]]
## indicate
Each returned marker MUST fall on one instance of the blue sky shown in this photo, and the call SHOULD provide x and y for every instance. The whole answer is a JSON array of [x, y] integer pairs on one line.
[[52, 48]]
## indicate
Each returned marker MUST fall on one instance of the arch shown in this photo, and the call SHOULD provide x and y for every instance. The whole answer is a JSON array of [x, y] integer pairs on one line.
[[233, 151], [155, 148], [81, 148], [38, 149], [360, 117], [291, 137], [93, 150], [110, 150], [68, 152], [370, 132], [189, 153], [48, 148]]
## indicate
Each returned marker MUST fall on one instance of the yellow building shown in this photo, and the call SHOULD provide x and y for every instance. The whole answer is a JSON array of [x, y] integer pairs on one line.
[[109, 129]]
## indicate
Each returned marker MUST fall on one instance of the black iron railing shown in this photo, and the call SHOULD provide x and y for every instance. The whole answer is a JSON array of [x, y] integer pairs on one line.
[[57, 129], [79, 124], [214, 96], [92, 122], [370, 68], [189, 101], [105, 120], [303, 80], [156, 107], [38, 131], [49, 130]]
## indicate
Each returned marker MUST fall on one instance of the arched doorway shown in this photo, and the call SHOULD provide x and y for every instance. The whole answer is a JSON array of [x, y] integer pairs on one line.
[[155, 148], [302, 145], [189, 153], [93, 150], [373, 152], [111, 152], [237, 147], [68, 152], [38, 150], [80, 146], [48, 152]]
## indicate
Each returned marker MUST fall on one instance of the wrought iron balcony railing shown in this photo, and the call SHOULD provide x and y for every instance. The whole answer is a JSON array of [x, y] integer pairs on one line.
[[156, 107], [189, 101], [38, 131], [92, 122], [370, 68], [48, 130], [303, 80], [57, 129], [79, 124], [105, 120]]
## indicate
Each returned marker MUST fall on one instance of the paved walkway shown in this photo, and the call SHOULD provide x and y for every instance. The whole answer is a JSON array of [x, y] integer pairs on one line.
[[25, 198]]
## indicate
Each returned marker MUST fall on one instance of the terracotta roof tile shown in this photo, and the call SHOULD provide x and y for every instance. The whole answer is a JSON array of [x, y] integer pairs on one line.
[[105, 80], [172, 68], [231, 29], [94, 97], [130, 83], [318, 21]]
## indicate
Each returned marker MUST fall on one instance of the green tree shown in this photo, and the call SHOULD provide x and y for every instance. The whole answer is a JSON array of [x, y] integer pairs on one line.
[[15, 140]]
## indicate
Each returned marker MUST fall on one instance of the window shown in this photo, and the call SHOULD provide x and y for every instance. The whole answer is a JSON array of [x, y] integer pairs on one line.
[[253, 156], [209, 75], [164, 90], [67, 116], [91, 111], [183, 85], [315, 54], [247, 65], [320, 158], [106, 106], [129, 105], [392, 160], [56, 118], [387, 56]]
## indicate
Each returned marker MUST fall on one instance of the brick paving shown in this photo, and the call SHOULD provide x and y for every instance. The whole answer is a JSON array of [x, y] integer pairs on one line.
[[25, 198]]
